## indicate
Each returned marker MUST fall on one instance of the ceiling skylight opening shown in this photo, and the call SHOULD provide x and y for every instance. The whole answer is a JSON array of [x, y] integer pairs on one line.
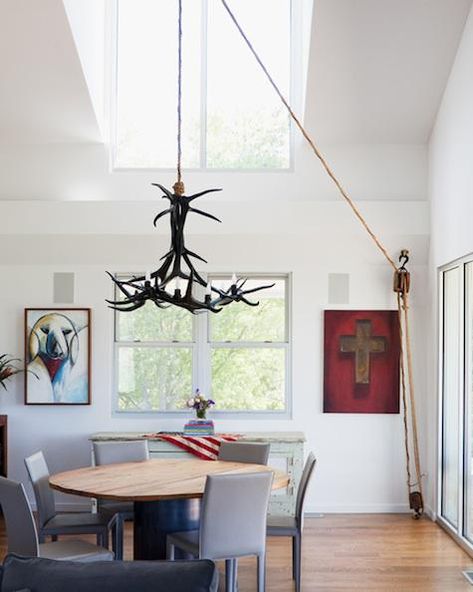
[[232, 119]]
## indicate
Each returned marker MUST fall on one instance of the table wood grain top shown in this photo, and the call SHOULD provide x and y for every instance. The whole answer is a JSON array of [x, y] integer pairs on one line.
[[152, 480]]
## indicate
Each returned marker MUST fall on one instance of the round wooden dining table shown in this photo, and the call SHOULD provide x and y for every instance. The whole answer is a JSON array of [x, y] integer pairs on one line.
[[166, 494]]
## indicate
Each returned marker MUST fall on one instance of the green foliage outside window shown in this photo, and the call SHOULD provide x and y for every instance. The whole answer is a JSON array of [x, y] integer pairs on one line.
[[246, 356]]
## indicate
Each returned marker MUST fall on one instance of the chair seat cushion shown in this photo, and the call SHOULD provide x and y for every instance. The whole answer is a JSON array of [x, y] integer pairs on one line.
[[281, 526], [74, 550], [78, 522], [43, 575]]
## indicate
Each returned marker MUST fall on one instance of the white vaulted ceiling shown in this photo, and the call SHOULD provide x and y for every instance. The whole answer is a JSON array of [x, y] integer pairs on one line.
[[43, 94], [377, 70]]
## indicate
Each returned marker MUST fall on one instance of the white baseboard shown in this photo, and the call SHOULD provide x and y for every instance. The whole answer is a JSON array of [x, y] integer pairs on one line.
[[357, 509], [430, 513], [311, 510]]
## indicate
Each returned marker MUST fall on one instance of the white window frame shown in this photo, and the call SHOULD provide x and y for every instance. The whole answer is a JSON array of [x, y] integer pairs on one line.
[[201, 356], [295, 94], [457, 532]]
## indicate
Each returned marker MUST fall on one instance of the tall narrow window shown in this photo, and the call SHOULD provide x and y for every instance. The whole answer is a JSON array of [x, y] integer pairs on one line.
[[451, 394], [154, 358], [468, 521], [456, 409], [249, 351], [146, 82], [247, 126], [232, 119]]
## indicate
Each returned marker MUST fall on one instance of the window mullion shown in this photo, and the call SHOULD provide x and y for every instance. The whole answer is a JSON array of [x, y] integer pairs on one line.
[[203, 84]]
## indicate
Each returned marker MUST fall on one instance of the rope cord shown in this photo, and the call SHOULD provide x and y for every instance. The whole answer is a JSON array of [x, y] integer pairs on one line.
[[404, 395], [179, 95], [410, 374], [306, 135], [403, 303]]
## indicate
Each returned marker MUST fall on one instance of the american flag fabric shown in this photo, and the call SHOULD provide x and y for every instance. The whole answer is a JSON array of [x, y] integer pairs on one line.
[[204, 447]]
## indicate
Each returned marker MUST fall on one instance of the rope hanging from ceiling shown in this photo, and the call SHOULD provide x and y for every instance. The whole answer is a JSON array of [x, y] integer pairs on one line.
[[401, 288]]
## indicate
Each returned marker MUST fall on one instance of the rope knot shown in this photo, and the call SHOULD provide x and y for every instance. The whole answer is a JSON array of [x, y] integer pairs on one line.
[[179, 188]]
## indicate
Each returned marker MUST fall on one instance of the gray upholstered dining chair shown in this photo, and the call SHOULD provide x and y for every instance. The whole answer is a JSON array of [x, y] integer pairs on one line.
[[23, 536], [109, 453], [225, 534], [247, 452], [52, 523], [291, 526]]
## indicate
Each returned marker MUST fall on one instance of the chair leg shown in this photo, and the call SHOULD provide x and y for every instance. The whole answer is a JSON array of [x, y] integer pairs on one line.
[[102, 539], [117, 538], [235, 574], [261, 567], [170, 551], [229, 575], [293, 557], [297, 560]]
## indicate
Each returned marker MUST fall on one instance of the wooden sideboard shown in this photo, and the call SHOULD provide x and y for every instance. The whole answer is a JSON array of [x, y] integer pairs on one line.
[[286, 454]]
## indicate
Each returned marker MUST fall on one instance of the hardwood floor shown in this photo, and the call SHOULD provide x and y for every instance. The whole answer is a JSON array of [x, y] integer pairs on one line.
[[369, 552]]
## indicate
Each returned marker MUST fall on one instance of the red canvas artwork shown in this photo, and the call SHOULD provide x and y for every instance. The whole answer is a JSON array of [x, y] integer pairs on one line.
[[361, 364]]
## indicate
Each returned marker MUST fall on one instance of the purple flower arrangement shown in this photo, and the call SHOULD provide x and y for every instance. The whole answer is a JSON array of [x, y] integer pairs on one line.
[[200, 404]]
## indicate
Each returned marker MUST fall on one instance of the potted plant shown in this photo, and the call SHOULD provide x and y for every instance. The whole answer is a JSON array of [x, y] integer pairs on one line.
[[8, 369]]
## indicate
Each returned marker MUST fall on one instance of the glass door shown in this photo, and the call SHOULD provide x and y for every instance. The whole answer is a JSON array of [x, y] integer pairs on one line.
[[468, 424], [451, 393], [455, 499]]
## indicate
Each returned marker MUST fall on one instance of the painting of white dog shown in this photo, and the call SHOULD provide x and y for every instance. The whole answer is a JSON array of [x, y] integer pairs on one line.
[[57, 356]]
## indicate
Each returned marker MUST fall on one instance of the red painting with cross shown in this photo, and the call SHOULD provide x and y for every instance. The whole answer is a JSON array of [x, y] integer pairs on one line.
[[361, 361]]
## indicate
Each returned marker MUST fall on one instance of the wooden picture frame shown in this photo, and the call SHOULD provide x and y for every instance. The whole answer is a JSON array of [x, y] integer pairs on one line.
[[58, 355]]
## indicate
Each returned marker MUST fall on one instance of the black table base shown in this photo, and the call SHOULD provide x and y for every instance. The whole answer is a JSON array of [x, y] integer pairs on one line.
[[153, 522]]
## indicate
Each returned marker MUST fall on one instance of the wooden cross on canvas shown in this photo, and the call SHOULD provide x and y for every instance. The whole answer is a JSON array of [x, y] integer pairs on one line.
[[362, 344]]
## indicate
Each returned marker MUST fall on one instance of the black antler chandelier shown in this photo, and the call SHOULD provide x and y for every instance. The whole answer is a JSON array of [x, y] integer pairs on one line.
[[163, 285]]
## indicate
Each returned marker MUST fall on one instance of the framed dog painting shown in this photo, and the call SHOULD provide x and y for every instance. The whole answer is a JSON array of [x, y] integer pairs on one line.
[[57, 356]]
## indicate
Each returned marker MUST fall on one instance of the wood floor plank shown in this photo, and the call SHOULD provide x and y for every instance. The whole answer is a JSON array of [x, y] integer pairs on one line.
[[357, 552]]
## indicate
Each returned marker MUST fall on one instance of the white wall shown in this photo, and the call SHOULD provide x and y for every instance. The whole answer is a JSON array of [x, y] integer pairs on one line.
[[451, 196], [361, 464]]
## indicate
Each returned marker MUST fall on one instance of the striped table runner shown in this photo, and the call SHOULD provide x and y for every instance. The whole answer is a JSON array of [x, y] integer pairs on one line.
[[204, 447]]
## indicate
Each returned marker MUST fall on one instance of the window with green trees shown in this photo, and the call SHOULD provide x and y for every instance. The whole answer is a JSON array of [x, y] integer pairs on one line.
[[239, 356], [232, 118]]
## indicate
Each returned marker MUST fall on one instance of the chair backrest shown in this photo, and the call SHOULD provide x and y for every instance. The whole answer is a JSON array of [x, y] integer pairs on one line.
[[246, 452], [233, 515], [39, 477], [303, 485], [109, 453], [20, 525]]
